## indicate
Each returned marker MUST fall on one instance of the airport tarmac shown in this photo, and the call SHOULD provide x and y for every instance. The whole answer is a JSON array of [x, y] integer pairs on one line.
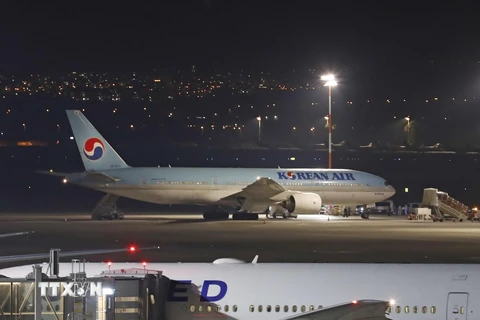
[[189, 238]]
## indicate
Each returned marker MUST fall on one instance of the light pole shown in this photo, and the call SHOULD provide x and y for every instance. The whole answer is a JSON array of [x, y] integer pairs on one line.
[[259, 126], [329, 82], [408, 129]]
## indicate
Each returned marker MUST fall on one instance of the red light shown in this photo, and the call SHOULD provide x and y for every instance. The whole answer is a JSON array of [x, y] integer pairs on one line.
[[132, 249], [109, 263], [354, 301], [144, 263]]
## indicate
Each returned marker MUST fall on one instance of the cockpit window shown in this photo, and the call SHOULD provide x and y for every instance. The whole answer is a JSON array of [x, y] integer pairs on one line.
[[386, 183]]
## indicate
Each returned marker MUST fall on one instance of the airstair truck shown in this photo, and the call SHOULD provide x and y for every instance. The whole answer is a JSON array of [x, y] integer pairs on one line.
[[443, 206]]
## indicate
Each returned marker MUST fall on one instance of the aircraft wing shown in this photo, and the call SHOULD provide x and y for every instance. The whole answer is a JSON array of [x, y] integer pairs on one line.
[[263, 188], [88, 176], [93, 176], [51, 173], [355, 310], [37, 256], [14, 234]]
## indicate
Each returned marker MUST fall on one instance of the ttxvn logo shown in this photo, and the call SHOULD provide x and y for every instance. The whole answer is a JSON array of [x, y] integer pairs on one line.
[[93, 149], [307, 175]]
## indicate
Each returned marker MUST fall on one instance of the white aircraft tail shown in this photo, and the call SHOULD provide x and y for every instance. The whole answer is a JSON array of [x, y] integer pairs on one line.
[[96, 152]]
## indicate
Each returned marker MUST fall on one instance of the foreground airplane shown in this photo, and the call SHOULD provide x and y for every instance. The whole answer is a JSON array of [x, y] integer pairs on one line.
[[233, 289], [282, 192]]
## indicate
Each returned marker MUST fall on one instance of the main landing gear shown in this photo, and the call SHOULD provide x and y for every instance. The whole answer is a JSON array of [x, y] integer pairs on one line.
[[221, 215], [216, 214], [107, 209], [244, 216]]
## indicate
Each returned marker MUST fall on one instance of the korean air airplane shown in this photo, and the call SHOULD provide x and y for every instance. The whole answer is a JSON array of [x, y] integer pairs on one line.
[[232, 289], [276, 192]]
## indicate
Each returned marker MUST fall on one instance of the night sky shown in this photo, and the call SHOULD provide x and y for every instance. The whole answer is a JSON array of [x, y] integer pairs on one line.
[[262, 35]]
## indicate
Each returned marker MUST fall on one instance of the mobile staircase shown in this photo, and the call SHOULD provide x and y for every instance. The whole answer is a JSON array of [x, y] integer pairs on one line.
[[443, 206], [107, 209]]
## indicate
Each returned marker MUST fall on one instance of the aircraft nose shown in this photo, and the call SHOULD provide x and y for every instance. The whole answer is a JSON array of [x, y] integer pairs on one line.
[[391, 189]]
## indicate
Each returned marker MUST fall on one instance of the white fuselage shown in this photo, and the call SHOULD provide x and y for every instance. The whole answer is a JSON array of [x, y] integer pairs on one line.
[[275, 290], [199, 195], [209, 186]]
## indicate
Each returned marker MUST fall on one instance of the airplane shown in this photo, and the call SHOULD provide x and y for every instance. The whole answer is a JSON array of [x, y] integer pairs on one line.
[[436, 146], [15, 234], [370, 145], [250, 191], [235, 289]]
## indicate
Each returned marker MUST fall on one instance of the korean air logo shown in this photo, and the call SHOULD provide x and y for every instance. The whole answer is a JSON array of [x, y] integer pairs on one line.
[[93, 149], [291, 175]]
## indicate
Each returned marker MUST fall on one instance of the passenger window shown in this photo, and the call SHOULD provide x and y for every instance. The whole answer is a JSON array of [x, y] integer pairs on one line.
[[269, 308], [433, 310], [294, 308], [424, 309], [389, 310], [252, 308], [234, 308], [320, 307], [407, 309], [398, 309], [260, 308], [285, 308], [415, 309], [277, 308], [209, 308], [226, 308], [200, 308], [303, 308], [462, 310], [312, 308], [192, 308], [219, 308]]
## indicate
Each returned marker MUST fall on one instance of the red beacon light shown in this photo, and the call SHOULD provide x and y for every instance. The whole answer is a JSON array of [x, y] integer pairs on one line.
[[132, 249], [144, 264], [109, 263], [355, 302]]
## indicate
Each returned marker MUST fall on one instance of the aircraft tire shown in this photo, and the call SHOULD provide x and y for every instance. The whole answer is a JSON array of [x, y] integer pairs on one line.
[[244, 216], [216, 215]]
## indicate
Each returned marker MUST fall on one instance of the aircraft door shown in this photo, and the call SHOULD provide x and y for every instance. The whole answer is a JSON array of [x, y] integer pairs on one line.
[[215, 184], [457, 306]]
